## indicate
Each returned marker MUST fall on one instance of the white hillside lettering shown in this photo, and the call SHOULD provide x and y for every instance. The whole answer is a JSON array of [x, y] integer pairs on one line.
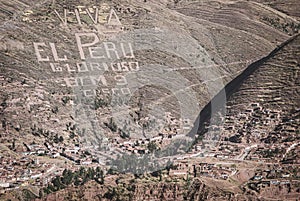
[[80, 14]]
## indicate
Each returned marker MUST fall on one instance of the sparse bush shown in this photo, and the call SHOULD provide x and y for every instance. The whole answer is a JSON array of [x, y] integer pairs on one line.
[[100, 103], [111, 125], [55, 109]]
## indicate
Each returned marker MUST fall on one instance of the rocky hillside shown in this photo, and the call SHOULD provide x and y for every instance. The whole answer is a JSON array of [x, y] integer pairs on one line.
[[232, 33]]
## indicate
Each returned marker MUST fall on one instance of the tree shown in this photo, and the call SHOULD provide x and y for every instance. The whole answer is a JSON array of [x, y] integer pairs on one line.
[[67, 177], [56, 139], [90, 173], [82, 172], [61, 139], [152, 146], [13, 146], [99, 176], [57, 183]]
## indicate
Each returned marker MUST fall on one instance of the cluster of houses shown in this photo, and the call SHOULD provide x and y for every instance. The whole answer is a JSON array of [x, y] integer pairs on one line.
[[272, 175], [75, 154], [254, 121], [171, 130], [276, 172], [16, 172], [239, 129], [188, 168], [30, 169], [139, 146]]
